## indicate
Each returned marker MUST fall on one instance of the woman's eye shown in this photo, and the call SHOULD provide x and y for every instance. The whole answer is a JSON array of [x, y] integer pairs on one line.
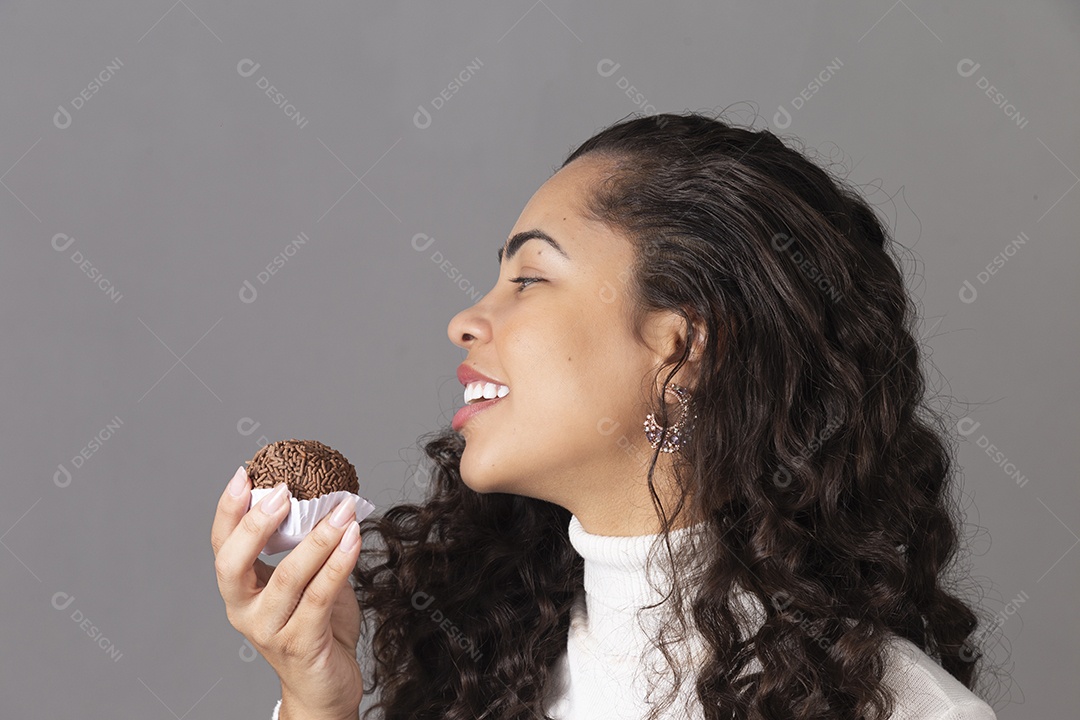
[[525, 281]]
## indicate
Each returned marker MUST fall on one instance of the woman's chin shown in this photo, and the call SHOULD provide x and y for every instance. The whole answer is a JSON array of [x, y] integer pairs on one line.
[[487, 474], [482, 483], [478, 474]]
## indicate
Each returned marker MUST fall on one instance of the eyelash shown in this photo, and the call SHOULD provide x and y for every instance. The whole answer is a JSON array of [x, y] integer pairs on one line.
[[521, 280]]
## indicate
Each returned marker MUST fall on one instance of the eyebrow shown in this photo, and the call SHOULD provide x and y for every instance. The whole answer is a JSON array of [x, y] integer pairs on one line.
[[521, 238]]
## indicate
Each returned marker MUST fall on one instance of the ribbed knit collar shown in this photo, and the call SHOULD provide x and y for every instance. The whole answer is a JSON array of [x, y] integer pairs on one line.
[[614, 628], [615, 565]]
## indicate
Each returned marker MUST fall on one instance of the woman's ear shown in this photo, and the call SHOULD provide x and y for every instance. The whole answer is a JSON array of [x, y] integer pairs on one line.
[[664, 332], [692, 366], [668, 334]]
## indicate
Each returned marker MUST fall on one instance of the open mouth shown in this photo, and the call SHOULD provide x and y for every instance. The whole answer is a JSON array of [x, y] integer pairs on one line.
[[478, 392], [473, 406]]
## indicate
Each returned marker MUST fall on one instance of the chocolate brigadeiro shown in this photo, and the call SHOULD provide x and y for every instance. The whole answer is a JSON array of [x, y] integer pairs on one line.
[[310, 468]]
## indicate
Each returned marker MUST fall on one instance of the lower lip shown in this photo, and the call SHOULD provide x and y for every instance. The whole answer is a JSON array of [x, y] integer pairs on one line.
[[466, 412]]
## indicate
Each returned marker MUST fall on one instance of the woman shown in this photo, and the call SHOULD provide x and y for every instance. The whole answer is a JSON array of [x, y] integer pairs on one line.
[[704, 484]]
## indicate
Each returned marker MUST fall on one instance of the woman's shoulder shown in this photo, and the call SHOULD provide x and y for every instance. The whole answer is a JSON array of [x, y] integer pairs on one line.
[[925, 690]]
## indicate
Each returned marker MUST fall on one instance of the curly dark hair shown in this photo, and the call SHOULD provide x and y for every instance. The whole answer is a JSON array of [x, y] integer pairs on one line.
[[815, 456]]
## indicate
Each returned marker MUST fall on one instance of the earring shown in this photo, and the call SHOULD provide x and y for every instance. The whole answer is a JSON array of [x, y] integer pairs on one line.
[[678, 432]]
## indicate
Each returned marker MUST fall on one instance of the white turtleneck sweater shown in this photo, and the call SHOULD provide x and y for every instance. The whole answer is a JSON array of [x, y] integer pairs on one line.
[[605, 672]]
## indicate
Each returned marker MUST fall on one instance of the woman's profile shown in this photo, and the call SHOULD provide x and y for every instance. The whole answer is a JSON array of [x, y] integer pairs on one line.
[[697, 474]]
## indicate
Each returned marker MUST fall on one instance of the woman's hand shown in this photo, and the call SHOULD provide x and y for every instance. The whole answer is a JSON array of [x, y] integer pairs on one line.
[[301, 615]]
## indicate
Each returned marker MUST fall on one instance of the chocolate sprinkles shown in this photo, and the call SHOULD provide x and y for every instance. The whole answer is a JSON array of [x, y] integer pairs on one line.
[[310, 468]]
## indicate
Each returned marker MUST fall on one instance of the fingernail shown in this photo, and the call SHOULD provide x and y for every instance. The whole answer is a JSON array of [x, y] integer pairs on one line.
[[350, 538], [239, 482], [346, 509], [273, 502]]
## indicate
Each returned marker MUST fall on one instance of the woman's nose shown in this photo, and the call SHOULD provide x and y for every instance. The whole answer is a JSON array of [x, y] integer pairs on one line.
[[465, 327]]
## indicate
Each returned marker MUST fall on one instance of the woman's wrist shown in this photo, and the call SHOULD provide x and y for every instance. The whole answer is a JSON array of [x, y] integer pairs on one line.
[[292, 709]]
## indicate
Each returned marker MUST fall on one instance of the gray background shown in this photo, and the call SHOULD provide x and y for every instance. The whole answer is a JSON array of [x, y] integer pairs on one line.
[[179, 180]]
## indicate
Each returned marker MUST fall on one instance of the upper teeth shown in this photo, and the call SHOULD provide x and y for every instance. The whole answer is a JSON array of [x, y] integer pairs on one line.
[[484, 391]]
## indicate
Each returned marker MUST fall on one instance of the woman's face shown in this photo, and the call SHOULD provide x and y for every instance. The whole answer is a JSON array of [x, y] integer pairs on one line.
[[570, 429]]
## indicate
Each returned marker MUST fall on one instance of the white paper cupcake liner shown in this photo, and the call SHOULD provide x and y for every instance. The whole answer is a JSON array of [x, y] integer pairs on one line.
[[304, 515]]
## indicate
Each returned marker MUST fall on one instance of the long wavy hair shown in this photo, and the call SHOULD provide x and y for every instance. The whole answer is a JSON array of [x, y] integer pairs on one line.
[[815, 457]]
